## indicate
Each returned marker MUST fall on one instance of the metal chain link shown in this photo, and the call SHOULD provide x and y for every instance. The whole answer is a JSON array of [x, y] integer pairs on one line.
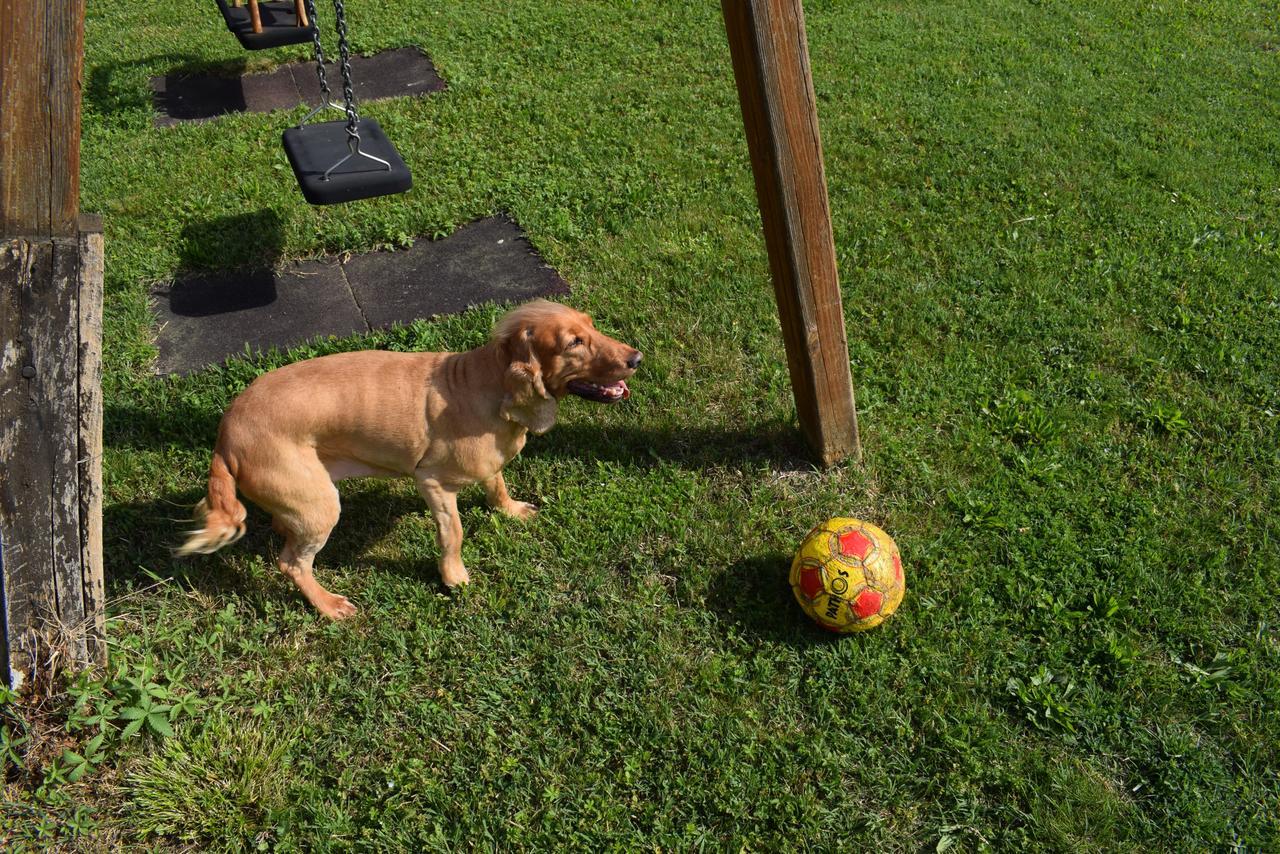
[[315, 37], [349, 98]]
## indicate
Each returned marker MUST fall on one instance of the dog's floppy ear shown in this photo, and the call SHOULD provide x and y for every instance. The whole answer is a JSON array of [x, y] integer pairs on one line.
[[527, 401]]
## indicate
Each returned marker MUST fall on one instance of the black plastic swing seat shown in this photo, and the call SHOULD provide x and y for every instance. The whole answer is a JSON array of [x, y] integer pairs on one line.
[[312, 149], [279, 24]]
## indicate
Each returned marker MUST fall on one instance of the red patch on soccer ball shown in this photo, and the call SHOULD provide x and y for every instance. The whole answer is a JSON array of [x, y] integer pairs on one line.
[[867, 604], [897, 566], [810, 581], [855, 543]]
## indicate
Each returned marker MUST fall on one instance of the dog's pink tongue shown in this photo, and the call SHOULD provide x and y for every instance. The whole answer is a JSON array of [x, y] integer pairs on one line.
[[626, 392]]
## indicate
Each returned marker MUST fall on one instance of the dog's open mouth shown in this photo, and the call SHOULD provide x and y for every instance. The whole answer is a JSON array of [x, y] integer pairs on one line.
[[611, 393]]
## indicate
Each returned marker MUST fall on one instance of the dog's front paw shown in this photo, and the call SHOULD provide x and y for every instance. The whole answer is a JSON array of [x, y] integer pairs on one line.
[[522, 510], [336, 607], [453, 576]]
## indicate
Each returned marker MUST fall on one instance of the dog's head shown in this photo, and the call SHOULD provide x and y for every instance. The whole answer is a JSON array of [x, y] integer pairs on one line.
[[553, 350]]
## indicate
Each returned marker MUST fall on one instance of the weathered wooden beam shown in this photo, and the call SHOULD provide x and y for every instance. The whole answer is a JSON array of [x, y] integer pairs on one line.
[[26, 464], [41, 64], [775, 88], [51, 582], [51, 585]]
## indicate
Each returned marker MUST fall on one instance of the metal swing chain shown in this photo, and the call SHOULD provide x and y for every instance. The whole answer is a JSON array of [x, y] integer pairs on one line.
[[348, 90], [348, 94], [326, 98], [319, 50]]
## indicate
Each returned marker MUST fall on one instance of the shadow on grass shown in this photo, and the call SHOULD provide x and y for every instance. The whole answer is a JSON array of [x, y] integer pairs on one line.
[[112, 87], [126, 425], [779, 446], [754, 596], [236, 245], [140, 537]]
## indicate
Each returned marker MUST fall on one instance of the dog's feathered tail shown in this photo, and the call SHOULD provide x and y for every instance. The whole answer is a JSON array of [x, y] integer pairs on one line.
[[219, 514]]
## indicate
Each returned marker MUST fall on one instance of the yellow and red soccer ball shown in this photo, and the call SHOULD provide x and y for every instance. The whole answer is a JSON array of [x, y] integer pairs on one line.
[[847, 575]]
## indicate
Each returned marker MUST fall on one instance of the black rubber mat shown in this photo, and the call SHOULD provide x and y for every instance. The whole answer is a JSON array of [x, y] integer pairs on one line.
[[205, 319], [183, 97]]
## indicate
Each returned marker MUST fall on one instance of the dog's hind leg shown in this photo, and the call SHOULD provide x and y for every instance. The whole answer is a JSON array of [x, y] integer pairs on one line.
[[304, 506], [296, 562]]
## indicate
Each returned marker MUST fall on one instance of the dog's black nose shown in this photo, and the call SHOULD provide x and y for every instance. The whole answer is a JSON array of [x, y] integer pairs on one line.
[[635, 360]]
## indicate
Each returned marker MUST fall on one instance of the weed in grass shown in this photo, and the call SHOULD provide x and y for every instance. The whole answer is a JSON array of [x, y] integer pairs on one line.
[[224, 784], [1161, 418]]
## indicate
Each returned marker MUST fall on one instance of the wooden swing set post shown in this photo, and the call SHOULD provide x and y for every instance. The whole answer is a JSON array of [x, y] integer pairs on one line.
[[51, 267], [775, 89]]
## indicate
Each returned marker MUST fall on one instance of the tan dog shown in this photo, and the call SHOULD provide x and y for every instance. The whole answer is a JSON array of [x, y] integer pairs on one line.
[[446, 419]]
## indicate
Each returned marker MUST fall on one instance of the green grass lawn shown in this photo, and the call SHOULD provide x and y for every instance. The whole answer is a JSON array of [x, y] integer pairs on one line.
[[1058, 229]]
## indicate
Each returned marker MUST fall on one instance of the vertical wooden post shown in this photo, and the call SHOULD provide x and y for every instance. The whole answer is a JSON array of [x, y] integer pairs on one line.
[[50, 349], [775, 88], [41, 61]]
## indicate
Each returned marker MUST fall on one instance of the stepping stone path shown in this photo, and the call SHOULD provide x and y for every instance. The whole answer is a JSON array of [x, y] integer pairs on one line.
[[198, 97], [205, 319]]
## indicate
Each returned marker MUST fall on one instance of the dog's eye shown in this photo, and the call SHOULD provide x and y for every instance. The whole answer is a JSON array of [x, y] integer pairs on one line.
[[576, 342]]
